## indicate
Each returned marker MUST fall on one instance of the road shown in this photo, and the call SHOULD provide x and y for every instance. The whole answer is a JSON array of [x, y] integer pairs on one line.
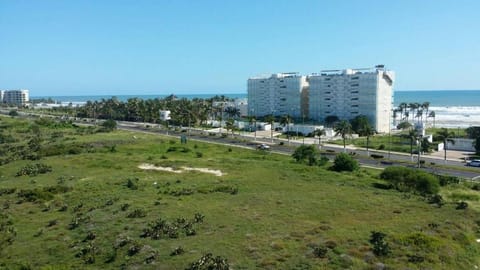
[[452, 167], [246, 140]]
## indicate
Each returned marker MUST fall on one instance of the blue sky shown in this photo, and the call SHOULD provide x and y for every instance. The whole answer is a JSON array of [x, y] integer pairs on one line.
[[160, 47]]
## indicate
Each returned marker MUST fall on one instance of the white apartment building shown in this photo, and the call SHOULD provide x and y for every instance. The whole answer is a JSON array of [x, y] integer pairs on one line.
[[342, 93], [352, 92], [1, 95], [278, 94], [17, 97]]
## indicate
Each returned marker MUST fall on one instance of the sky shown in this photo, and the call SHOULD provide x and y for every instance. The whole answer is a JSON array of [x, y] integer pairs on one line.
[[119, 47]]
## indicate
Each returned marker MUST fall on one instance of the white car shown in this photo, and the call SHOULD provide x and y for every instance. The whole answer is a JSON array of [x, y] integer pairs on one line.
[[263, 146], [474, 163]]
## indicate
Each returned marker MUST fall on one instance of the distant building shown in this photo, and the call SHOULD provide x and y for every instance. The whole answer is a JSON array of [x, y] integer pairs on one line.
[[16, 97], [1, 95], [342, 93], [349, 93], [278, 94]]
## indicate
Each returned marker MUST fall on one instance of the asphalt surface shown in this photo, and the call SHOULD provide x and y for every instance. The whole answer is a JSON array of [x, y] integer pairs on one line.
[[282, 146], [450, 167]]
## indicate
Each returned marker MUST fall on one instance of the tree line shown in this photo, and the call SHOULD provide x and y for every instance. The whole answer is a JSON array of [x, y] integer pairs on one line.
[[184, 111]]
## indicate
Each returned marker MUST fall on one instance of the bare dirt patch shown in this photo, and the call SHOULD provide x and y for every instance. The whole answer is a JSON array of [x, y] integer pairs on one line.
[[146, 166]]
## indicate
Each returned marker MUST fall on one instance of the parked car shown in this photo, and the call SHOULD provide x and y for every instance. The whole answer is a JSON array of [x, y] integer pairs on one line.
[[474, 163], [263, 146]]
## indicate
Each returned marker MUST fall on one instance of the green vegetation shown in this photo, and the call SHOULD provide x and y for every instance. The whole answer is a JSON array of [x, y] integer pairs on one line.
[[152, 204], [406, 179], [344, 162]]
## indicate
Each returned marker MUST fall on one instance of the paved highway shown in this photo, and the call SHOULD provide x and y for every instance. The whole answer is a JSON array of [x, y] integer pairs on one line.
[[452, 167]]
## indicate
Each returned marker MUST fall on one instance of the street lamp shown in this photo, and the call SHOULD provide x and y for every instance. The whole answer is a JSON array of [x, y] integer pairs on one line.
[[303, 126]]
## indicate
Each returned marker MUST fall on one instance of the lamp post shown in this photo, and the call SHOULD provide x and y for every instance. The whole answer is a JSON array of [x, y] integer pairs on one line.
[[389, 134], [303, 126]]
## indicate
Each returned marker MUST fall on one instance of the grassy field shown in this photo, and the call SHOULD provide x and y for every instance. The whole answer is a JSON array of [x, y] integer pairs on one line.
[[96, 208]]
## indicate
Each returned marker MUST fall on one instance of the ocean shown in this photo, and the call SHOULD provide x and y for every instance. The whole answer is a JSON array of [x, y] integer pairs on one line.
[[453, 108]]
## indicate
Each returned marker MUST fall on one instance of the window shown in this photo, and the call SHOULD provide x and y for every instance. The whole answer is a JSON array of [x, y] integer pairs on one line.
[[327, 99], [354, 85], [354, 106], [354, 98], [355, 78], [327, 79], [283, 86], [354, 112], [328, 92], [354, 92]]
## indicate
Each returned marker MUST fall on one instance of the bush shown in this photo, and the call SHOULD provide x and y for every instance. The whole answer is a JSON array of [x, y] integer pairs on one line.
[[132, 183], [109, 125], [34, 169], [208, 261], [305, 153], [137, 213], [344, 162], [380, 246], [406, 179], [322, 161], [461, 205], [177, 251], [445, 180], [320, 251]]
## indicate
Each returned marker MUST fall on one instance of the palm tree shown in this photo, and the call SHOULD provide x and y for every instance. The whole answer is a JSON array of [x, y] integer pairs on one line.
[[253, 121], [445, 136], [270, 119], [419, 115], [230, 125], [432, 114], [343, 128], [285, 121], [366, 130], [412, 106], [395, 111], [403, 108], [412, 136], [426, 106], [232, 112], [319, 133]]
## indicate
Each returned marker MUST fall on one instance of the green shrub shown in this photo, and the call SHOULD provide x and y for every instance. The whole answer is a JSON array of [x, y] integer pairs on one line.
[[305, 153], [380, 246], [461, 205], [177, 251], [322, 161], [137, 213], [406, 179], [320, 251], [132, 183], [208, 261], [34, 169], [109, 125], [345, 162], [445, 180], [35, 195]]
